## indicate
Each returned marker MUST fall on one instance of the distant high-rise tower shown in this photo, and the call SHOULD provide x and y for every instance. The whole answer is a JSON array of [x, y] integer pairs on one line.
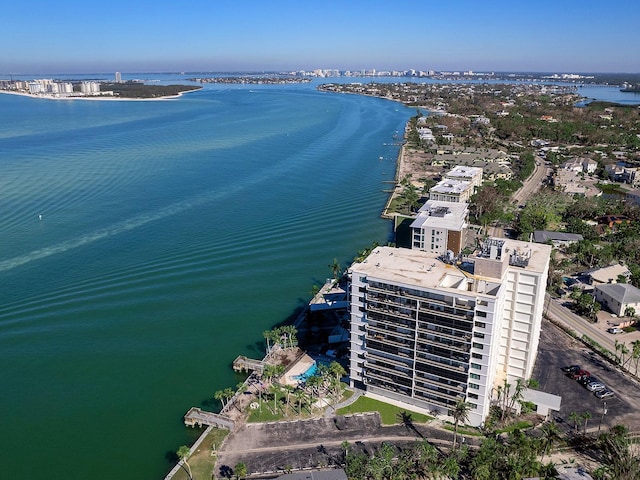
[[118, 77]]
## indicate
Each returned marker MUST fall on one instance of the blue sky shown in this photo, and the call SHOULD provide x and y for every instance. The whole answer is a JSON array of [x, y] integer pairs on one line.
[[219, 35]]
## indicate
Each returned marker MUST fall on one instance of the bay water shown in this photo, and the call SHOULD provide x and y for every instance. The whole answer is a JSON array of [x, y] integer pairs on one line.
[[145, 244]]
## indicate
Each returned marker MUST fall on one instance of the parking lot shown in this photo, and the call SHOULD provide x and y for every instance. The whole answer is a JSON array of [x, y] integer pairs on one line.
[[557, 350]]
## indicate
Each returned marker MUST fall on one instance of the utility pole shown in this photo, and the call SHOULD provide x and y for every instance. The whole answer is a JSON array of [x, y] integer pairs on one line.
[[604, 412]]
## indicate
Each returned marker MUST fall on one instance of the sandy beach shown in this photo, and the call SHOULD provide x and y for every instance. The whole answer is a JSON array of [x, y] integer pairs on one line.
[[94, 97]]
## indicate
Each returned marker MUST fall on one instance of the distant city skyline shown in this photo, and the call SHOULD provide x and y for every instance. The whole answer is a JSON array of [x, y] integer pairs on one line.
[[283, 35]]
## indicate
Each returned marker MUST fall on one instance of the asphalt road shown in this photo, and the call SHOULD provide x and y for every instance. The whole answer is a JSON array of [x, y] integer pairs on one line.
[[557, 312], [531, 184]]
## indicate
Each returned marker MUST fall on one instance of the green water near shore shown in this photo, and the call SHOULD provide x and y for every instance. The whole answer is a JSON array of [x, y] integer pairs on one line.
[[172, 235]]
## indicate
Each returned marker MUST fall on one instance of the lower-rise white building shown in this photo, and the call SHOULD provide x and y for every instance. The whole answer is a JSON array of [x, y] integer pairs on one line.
[[440, 227], [451, 191], [428, 334]]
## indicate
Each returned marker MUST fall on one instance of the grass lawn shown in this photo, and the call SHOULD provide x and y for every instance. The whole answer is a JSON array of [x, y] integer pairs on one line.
[[203, 459], [521, 425], [265, 411], [463, 430], [388, 413]]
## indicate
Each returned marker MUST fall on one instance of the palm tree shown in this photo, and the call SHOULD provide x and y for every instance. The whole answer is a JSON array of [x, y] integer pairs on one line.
[[240, 470], [550, 436], [183, 453], [300, 395], [336, 268], [275, 389], [288, 390], [228, 394], [290, 332], [268, 335], [635, 352], [220, 396], [623, 351], [585, 416], [574, 417], [618, 346], [460, 413], [338, 371]]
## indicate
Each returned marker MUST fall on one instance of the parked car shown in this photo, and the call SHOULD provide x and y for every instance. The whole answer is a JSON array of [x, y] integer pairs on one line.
[[587, 379], [595, 386], [614, 330], [580, 374], [570, 368], [605, 393]]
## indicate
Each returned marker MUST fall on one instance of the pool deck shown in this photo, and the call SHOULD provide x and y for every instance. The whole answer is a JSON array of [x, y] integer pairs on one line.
[[304, 363]]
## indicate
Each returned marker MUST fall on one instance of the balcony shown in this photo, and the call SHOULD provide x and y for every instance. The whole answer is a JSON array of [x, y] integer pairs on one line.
[[437, 393], [385, 380], [445, 363], [438, 342], [378, 358]]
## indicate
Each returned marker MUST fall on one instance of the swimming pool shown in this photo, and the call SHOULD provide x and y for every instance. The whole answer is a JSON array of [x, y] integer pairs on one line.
[[310, 372]]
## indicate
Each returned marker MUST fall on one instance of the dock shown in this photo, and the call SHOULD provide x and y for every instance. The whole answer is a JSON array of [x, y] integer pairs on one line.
[[246, 364], [198, 417]]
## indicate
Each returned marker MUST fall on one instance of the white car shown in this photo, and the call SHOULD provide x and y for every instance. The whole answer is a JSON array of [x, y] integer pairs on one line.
[[606, 393], [595, 386], [614, 330]]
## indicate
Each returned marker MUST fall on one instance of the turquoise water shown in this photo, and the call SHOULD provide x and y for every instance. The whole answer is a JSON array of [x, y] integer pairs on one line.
[[309, 372], [172, 234]]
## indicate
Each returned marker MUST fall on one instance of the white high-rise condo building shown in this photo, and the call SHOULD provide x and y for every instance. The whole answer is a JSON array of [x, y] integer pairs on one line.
[[428, 332], [89, 88], [118, 77]]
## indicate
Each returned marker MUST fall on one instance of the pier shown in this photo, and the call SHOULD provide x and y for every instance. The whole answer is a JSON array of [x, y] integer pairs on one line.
[[196, 416], [246, 364]]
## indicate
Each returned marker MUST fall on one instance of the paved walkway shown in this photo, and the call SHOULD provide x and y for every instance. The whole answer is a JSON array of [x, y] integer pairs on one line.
[[331, 410]]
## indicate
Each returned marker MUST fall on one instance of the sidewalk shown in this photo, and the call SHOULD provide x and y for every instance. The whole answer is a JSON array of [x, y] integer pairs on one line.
[[330, 411]]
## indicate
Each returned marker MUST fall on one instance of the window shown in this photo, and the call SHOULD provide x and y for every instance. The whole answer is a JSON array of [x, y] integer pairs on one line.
[[481, 314], [475, 376], [475, 386], [476, 366], [364, 280], [473, 395], [477, 345], [478, 335], [480, 324], [477, 355], [473, 405]]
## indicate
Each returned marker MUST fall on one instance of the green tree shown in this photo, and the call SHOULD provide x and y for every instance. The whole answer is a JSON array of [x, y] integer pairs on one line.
[[338, 372], [575, 418], [336, 269], [220, 396], [300, 396], [240, 470], [635, 354], [621, 462], [629, 312], [275, 389], [585, 416], [183, 453], [460, 413], [268, 336], [550, 437]]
